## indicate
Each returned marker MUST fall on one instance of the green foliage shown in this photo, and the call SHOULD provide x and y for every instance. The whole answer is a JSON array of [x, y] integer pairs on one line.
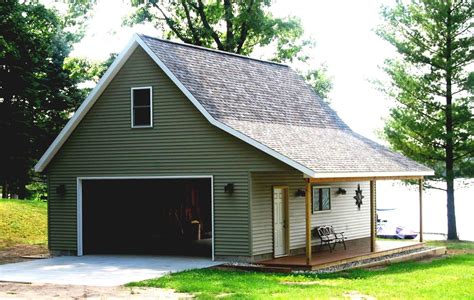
[[75, 20], [319, 80], [430, 81], [432, 51], [83, 70], [22, 222], [447, 278], [37, 93], [237, 26], [37, 190]]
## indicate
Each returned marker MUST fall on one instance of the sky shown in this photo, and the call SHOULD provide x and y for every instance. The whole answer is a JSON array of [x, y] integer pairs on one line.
[[345, 42]]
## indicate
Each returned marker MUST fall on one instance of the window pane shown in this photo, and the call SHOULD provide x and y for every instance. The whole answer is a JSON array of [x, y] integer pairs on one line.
[[141, 97], [141, 116], [315, 199], [326, 198]]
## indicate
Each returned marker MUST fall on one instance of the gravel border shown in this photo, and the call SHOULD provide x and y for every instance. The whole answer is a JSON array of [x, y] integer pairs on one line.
[[333, 269], [359, 263]]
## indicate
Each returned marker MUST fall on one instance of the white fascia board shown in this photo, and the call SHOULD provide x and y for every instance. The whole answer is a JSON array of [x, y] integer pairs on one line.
[[218, 124], [116, 66], [86, 105], [110, 74], [372, 174]]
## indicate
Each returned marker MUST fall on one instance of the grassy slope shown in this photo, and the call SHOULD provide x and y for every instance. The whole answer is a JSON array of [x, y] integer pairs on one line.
[[447, 278], [22, 222]]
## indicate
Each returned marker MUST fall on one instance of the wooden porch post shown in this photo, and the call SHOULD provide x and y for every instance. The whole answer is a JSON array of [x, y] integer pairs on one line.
[[373, 215], [308, 222], [420, 187]]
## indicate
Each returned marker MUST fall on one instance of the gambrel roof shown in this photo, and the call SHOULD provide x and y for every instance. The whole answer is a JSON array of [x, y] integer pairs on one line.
[[265, 104]]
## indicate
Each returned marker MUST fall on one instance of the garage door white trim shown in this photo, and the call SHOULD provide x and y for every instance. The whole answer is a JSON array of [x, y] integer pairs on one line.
[[80, 249]]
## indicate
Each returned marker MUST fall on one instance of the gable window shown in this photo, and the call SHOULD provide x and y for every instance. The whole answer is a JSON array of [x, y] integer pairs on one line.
[[321, 199], [142, 112]]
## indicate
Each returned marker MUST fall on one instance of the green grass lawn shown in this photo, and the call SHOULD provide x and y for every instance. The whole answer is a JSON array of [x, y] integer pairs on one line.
[[22, 222], [451, 245], [445, 278]]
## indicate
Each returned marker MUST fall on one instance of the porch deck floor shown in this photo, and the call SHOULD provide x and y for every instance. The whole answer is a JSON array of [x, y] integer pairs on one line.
[[325, 258]]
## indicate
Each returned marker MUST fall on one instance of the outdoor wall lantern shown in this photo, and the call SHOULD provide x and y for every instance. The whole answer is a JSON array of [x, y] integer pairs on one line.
[[341, 191], [61, 190], [229, 188], [300, 193], [358, 197]]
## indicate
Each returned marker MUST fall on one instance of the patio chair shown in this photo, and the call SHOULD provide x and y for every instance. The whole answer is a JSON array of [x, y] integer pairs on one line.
[[328, 236], [325, 236], [338, 237]]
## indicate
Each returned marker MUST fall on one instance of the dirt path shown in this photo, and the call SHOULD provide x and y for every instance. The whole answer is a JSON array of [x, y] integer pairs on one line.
[[53, 291], [19, 252]]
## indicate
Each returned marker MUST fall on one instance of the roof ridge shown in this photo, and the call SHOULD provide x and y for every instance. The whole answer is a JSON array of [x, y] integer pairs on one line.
[[214, 50]]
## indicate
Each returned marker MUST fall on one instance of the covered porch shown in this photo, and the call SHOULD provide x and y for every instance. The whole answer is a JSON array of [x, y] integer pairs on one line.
[[357, 250]]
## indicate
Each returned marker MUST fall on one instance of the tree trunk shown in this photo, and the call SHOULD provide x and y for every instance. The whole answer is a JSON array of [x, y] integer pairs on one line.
[[22, 191], [452, 231], [5, 189]]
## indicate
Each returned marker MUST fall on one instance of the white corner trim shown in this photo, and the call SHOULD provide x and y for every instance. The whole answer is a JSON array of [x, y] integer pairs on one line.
[[80, 245], [132, 119], [86, 105]]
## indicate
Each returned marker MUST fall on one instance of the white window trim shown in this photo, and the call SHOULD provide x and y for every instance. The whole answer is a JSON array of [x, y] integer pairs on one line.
[[151, 106], [312, 199]]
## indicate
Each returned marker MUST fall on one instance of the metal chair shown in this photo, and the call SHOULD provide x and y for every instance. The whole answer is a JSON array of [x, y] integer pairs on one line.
[[325, 237], [338, 237], [328, 236]]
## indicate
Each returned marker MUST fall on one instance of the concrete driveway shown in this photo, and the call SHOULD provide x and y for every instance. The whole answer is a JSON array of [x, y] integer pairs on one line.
[[99, 270]]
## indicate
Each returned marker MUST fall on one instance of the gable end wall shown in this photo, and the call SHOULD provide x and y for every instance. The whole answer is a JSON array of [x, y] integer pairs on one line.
[[182, 142]]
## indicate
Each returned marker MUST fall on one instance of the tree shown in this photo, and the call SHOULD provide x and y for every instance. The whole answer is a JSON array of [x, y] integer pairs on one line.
[[319, 80], [37, 95], [432, 121], [236, 26], [85, 71]]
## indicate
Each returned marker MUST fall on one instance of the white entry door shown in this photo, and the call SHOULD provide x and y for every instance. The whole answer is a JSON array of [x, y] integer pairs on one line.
[[279, 221]]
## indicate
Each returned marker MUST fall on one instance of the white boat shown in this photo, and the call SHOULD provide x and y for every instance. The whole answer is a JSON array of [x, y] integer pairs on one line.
[[387, 228]]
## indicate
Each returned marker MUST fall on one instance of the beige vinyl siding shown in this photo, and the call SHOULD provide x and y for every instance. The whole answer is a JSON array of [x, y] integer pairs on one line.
[[344, 214], [181, 142]]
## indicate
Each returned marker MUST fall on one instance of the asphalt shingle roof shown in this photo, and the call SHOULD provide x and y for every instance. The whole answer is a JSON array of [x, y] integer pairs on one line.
[[272, 104]]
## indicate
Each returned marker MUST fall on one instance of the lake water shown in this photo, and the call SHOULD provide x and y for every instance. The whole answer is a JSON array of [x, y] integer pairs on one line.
[[404, 198]]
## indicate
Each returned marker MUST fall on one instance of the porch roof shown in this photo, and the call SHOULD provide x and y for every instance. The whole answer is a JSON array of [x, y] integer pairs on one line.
[[336, 153]]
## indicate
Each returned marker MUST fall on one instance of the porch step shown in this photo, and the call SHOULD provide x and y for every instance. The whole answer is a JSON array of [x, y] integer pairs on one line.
[[430, 252], [383, 260], [415, 252], [365, 257]]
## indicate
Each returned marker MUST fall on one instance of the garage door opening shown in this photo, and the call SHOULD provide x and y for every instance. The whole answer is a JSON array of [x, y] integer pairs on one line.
[[147, 216]]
